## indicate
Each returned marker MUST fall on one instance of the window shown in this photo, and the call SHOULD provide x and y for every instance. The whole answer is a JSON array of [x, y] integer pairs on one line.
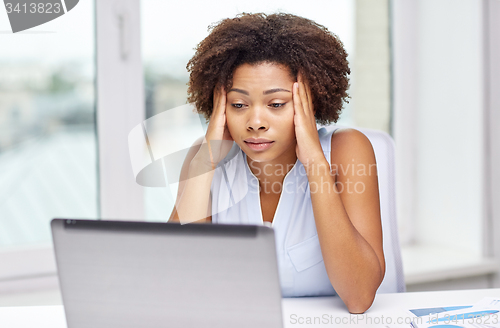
[[439, 83], [47, 134]]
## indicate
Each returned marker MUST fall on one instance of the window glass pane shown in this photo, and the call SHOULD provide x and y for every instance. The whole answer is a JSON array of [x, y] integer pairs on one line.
[[169, 34], [47, 125], [450, 147], [439, 120]]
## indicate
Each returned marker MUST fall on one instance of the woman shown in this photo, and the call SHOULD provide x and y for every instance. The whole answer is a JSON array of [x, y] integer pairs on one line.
[[262, 82]]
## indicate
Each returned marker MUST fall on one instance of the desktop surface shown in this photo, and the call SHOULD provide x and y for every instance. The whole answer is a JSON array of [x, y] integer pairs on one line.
[[296, 311]]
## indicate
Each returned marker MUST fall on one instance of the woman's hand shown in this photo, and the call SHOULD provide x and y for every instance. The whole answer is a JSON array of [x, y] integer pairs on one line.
[[308, 149], [218, 140]]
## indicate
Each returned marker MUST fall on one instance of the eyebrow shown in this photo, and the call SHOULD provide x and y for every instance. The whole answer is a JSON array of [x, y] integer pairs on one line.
[[240, 91], [275, 90], [265, 92]]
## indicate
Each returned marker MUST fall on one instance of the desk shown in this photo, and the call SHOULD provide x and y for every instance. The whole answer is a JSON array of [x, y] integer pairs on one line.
[[294, 310]]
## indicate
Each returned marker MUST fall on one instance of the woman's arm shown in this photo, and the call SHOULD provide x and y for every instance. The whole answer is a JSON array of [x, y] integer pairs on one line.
[[345, 203], [193, 202], [184, 182], [347, 214]]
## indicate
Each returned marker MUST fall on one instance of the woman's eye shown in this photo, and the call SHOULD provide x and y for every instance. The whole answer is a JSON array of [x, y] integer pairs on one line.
[[277, 105], [237, 105]]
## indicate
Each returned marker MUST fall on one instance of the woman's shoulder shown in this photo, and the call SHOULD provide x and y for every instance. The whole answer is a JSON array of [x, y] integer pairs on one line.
[[345, 136], [350, 146]]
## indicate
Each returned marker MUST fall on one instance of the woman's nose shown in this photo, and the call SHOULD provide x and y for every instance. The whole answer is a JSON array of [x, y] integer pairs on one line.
[[257, 120]]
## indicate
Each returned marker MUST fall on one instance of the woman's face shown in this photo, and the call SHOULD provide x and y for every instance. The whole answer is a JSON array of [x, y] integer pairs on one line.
[[259, 111]]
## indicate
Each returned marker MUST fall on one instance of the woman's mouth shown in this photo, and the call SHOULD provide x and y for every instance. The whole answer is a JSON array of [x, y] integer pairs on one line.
[[258, 144]]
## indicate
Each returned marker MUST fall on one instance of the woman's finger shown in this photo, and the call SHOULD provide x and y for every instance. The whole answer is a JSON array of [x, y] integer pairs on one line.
[[222, 101], [297, 103], [219, 106], [215, 104], [303, 97], [217, 99], [300, 79], [310, 104], [306, 96], [309, 97]]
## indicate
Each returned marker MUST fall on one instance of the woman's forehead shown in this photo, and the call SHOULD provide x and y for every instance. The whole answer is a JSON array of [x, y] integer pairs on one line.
[[262, 74]]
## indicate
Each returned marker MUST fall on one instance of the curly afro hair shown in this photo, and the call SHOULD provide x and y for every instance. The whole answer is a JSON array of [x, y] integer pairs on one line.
[[296, 42]]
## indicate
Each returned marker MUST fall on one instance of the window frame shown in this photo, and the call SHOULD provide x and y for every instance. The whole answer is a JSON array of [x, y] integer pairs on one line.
[[491, 222]]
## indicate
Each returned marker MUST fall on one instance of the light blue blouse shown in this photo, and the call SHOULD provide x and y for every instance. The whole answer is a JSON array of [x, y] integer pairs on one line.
[[236, 200]]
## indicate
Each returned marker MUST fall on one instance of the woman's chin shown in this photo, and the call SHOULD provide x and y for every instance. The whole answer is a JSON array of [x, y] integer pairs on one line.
[[259, 158]]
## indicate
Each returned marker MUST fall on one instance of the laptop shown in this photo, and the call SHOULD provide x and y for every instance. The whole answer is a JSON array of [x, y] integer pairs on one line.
[[145, 274]]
